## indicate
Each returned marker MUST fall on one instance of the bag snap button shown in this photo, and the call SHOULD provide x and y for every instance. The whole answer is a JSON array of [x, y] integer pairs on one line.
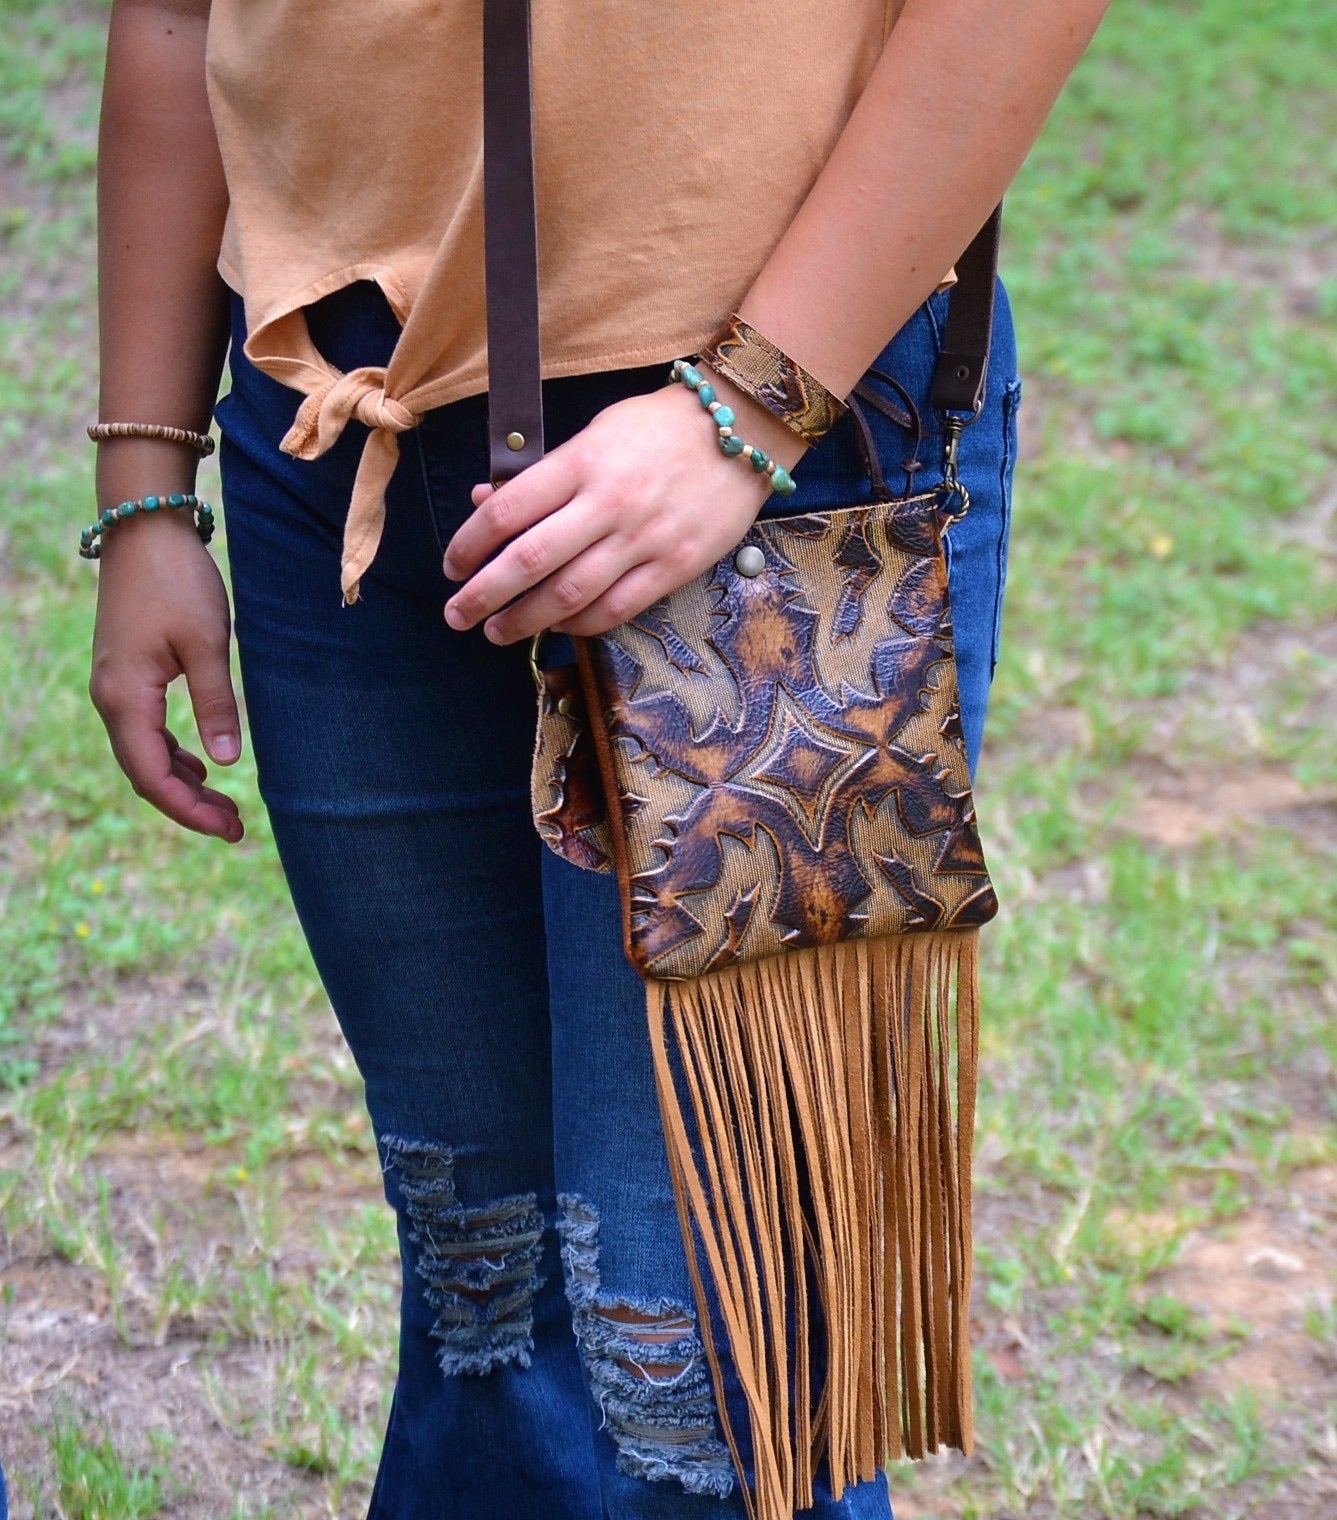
[[749, 561]]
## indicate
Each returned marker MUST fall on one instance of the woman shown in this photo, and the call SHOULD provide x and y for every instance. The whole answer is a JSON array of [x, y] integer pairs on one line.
[[302, 181]]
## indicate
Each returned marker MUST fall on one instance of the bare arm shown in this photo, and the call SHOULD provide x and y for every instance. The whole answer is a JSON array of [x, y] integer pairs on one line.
[[949, 114], [946, 120], [162, 309]]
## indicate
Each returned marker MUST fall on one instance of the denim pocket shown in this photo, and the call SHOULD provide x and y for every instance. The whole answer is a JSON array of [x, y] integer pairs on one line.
[[1006, 469]]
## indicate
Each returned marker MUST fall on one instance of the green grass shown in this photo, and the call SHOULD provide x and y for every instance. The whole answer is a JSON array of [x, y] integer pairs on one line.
[[182, 1148], [92, 1480]]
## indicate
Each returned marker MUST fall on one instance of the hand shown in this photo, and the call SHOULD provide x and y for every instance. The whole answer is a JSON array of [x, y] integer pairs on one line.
[[162, 611], [635, 505]]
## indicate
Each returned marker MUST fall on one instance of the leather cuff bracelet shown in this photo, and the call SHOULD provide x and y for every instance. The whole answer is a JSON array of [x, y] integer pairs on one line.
[[753, 363]]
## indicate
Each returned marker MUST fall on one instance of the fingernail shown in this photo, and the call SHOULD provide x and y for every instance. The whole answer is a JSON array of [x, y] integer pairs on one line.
[[225, 748], [450, 569], [494, 633], [454, 616]]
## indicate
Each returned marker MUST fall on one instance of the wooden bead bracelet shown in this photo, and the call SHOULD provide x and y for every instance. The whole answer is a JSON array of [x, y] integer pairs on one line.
[[99, 432]]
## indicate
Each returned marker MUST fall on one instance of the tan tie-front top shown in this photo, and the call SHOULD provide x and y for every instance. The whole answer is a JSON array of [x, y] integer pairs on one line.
[[674, 142]]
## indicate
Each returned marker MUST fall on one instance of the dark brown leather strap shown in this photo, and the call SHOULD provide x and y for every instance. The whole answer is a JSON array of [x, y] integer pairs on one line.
[[863, 396], [963, 365], [515, 396]]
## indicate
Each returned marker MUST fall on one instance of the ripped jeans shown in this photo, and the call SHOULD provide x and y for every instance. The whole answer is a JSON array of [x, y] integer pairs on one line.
[[479, 980]]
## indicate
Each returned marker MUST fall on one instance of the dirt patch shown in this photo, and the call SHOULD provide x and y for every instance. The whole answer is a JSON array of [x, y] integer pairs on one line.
[[105, 1019], [113, 1023], [1286, 672], [1262, 1291], [1269, 1281], [1297, 267], [203, 1399], [1207, 766], [1180, 808], [186, 1214], [163, 1288], [924, 1507], [182, 1336]]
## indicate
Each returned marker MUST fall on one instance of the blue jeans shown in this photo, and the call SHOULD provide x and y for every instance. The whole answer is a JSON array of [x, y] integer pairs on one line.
[[480, 980]]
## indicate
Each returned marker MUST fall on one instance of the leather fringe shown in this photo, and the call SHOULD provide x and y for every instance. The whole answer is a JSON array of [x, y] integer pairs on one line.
[[816, 1145]]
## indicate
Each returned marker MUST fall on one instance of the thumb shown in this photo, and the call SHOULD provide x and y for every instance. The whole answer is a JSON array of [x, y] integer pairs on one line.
[[209, 681]]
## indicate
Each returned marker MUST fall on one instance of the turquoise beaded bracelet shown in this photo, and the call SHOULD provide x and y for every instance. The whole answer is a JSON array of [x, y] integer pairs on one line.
[[89, 548], [781, 481]]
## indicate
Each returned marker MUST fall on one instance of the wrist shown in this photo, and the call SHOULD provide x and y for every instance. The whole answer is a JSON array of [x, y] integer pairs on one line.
[[774, 379], [133, 537], [113, 522], [129, 467], [755, 423]]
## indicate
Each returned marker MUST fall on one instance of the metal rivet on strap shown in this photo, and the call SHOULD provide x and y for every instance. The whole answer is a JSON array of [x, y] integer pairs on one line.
[[515, 441], [749, 561]]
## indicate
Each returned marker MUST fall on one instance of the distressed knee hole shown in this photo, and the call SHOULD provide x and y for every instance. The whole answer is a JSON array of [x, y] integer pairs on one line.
[[478, 1265], [650, 1331], [647, 1370]]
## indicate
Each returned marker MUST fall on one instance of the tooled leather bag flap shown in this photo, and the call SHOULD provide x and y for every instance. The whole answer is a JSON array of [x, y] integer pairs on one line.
[[785, 747]]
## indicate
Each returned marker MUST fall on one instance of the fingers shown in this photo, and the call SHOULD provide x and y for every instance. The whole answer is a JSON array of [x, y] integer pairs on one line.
[[191, 769], [500, 515], [629, 595], [209, 681], [573, 587], [159, 770], [591, 535], [163, 612], [547, 549], [183, 761]]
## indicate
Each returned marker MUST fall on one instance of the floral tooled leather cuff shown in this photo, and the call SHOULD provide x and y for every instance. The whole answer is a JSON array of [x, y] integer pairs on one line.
[[756, 366]]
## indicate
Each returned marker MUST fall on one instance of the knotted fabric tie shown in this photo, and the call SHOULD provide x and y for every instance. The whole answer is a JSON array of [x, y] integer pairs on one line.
[[319, 424]]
